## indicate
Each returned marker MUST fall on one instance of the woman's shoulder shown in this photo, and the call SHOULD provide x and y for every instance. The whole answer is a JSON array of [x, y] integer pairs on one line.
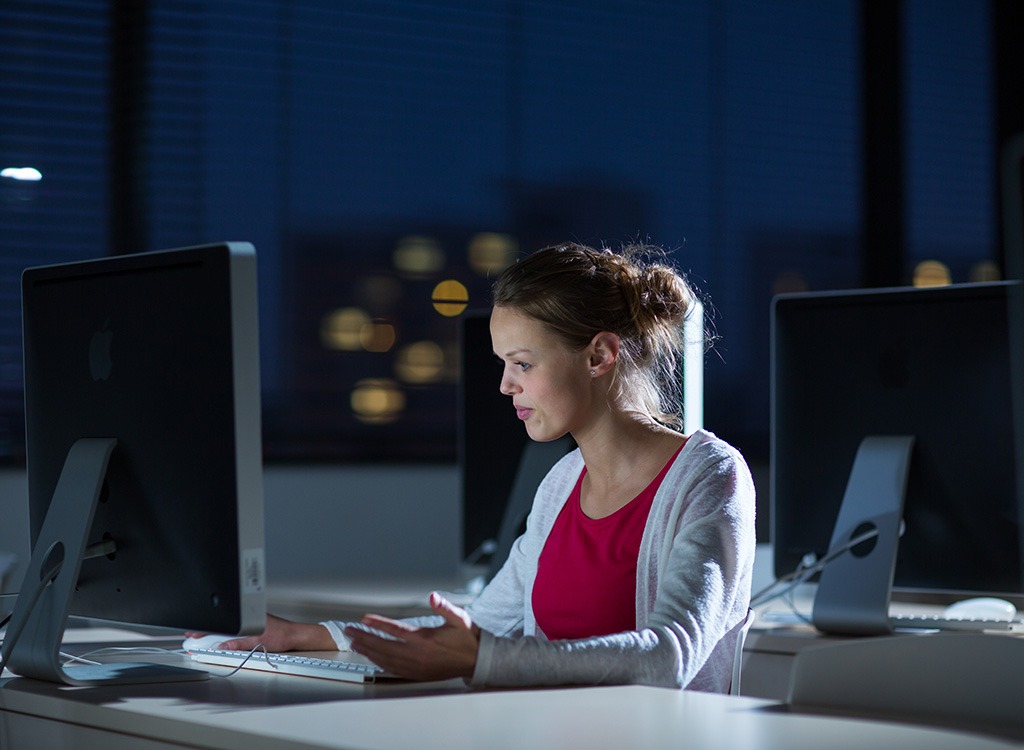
[[708, 473], [703, 444], [704, 450]]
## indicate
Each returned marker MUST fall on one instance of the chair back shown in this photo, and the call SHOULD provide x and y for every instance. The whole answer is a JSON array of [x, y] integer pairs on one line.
[[737, 664]]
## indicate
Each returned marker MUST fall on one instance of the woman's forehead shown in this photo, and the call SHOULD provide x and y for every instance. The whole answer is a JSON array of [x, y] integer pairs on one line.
[[512, 332]]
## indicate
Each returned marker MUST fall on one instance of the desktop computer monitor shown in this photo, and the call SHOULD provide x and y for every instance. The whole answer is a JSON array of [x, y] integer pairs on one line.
[[934, 364], [143, 451], [1012, 214]]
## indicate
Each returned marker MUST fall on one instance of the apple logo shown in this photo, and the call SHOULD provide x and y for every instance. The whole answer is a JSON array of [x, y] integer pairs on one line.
[[100, 361]]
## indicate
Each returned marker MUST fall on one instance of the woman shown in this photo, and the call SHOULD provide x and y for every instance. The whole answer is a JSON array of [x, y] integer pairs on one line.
[[635, 566]]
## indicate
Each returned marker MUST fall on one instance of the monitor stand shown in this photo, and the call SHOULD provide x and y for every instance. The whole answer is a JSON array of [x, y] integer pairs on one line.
[[855, 587], [36, 629]]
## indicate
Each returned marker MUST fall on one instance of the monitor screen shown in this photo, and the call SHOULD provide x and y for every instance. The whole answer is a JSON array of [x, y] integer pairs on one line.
[[1012, 190], [932, 363], [491, 440], [158, 352]]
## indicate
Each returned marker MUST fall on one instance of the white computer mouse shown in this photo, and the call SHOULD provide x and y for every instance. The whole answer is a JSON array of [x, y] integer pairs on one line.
[[982, 608], [205, 642]]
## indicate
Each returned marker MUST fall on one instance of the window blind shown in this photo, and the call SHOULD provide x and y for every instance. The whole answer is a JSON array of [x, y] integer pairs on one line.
[[54, 55]]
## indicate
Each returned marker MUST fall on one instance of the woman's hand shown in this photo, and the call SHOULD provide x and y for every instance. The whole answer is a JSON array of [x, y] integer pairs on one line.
[[422, 653], [283, 635]]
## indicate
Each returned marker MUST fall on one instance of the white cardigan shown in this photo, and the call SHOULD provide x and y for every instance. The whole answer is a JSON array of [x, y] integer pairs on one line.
[[692, 593]]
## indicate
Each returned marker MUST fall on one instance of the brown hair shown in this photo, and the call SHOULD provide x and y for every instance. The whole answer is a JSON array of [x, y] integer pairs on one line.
[[577, 292]]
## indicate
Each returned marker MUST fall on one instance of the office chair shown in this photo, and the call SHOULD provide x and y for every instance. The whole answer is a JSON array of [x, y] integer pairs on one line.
[[737, 663]]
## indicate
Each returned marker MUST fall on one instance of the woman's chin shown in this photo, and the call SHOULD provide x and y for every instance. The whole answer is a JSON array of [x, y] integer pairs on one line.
[[539, 435]]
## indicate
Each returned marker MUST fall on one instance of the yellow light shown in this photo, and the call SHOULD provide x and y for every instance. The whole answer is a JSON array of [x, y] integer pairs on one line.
[[450, 298], [342, 329], [932, 273], [418, 256], [377, 336], [421, 362], [377, 401], [986, 270], [491, 252]]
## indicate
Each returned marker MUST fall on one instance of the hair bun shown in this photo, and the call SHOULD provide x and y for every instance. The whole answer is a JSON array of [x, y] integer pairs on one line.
[[657, 294]]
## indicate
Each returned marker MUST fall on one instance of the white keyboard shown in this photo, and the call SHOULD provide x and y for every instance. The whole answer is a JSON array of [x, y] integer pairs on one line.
[[943, 622], [329, 665]]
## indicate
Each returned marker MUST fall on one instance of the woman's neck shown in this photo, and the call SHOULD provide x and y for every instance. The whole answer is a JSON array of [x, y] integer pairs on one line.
[[622, 458]]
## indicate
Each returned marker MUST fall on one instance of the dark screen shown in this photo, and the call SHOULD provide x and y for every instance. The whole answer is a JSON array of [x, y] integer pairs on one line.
[[491, 437], [933, 363], [144, 349]]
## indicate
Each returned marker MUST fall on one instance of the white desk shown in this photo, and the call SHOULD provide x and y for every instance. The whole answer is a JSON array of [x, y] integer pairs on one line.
[[258, 711], [254, 710], [349, 599], [773, 644]]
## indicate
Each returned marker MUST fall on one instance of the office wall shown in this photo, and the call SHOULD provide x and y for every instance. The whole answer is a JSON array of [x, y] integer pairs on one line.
[[13, 527], [323, 520], [340, 520]]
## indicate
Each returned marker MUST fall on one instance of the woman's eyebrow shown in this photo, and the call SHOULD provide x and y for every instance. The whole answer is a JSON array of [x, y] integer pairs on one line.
[[512, 353]]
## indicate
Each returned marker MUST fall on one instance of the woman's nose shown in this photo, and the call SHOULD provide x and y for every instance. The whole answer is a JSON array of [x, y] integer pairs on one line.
[[508, 386]]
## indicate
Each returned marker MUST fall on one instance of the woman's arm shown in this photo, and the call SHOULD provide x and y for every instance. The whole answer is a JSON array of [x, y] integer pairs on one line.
[[284, 635], [421, 653]]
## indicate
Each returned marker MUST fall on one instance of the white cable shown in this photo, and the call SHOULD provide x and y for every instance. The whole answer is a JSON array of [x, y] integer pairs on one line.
[[802, 574], [83, 658], [257, 647]]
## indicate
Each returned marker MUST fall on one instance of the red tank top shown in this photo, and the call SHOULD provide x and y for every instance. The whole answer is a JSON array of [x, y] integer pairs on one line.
[[586, 574]]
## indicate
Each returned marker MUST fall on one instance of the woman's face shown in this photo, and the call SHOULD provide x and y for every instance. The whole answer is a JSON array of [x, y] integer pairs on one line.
[[547, 381]]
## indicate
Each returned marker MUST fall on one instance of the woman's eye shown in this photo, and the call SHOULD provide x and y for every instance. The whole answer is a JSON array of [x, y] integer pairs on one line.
[[523, 366]]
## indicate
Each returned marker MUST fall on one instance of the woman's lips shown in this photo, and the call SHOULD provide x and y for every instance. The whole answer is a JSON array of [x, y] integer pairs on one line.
[[523, 413]]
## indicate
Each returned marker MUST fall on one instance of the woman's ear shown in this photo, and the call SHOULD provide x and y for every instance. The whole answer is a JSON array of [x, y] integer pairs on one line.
[[604, 351]]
